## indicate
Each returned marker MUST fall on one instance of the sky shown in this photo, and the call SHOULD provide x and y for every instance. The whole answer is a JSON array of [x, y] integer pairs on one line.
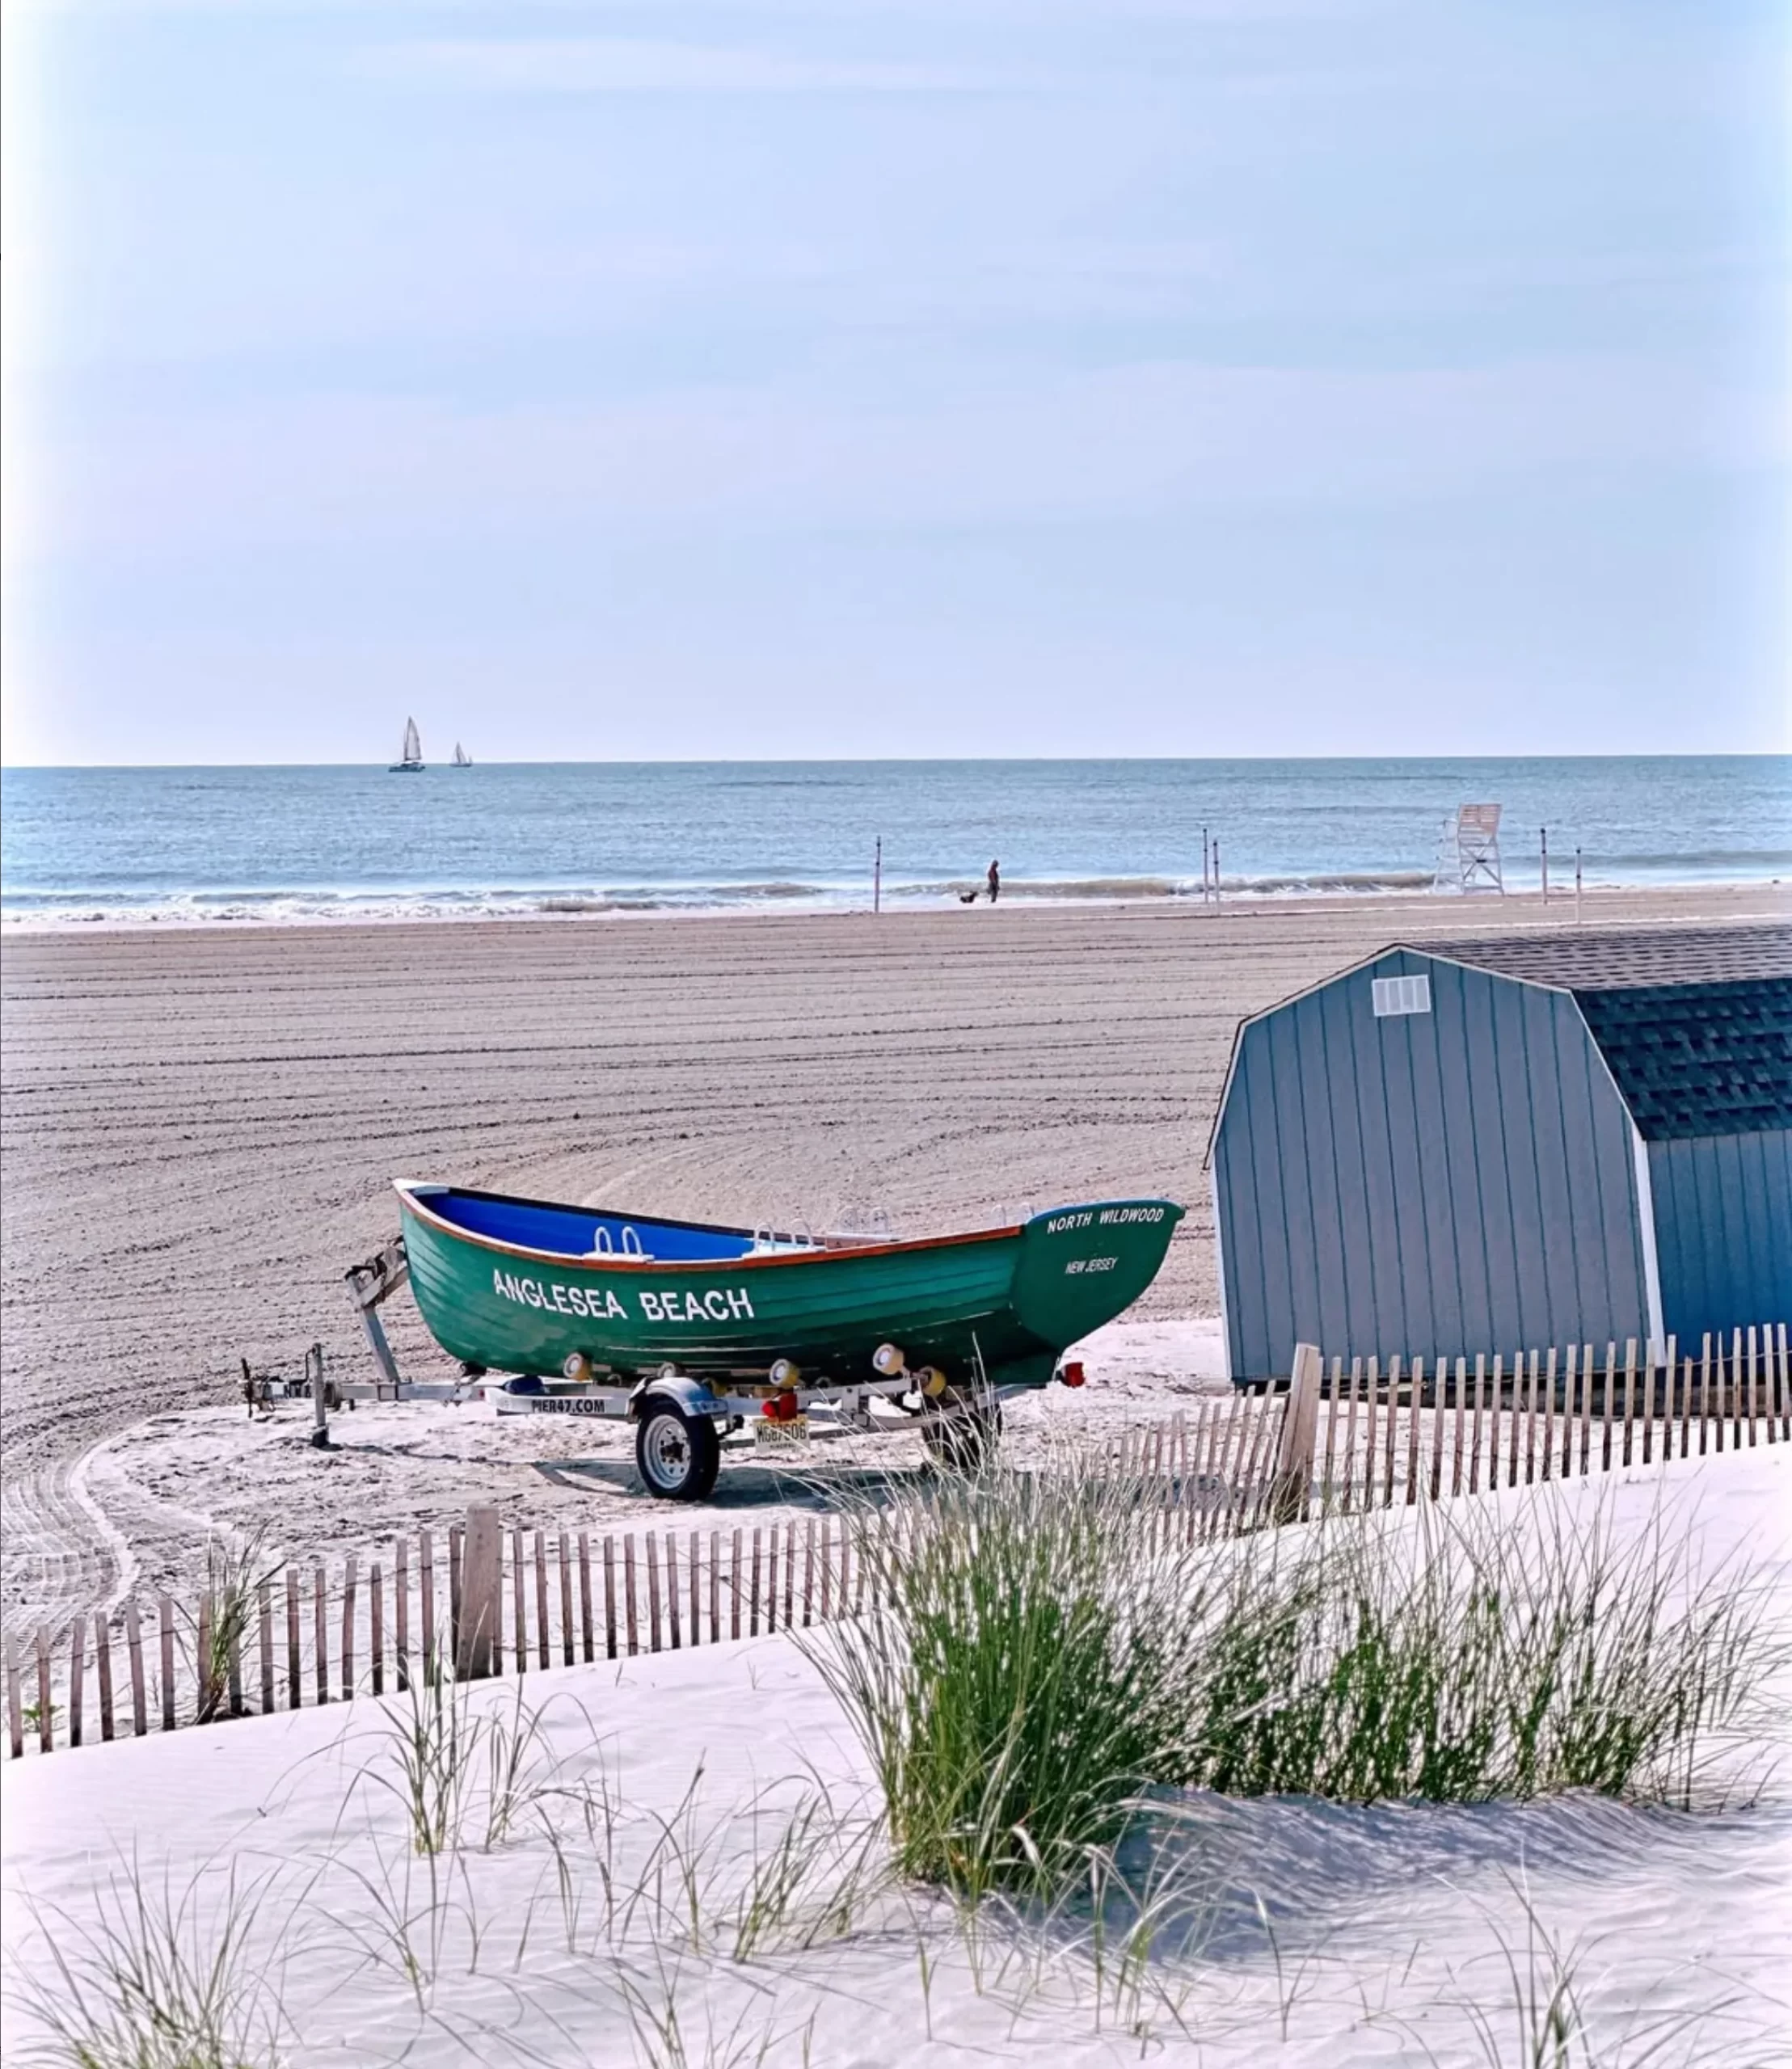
[[906, 378]]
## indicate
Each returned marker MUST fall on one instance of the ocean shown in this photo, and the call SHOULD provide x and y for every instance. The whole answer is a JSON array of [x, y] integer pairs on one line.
[[141, 846]]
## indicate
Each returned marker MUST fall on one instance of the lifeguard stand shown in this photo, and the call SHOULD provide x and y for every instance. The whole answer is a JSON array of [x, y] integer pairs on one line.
[[1468, 852]]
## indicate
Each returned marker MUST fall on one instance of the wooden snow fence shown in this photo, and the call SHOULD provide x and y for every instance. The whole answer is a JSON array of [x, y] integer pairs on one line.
[[488, 1600]]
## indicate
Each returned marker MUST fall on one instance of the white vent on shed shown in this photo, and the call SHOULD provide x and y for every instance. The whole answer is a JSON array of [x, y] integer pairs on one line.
[[1395, 995]]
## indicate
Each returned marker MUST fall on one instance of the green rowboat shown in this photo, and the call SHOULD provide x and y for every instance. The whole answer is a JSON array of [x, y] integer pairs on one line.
[[549, 1291]]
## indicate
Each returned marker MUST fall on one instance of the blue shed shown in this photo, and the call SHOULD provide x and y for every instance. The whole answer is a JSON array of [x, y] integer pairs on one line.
[[1509, 1144]]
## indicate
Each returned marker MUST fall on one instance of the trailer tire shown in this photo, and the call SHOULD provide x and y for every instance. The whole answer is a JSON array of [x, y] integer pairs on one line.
[[677, 1454]]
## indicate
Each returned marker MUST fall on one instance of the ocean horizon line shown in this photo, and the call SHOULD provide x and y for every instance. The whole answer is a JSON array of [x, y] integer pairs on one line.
[[381, 763]]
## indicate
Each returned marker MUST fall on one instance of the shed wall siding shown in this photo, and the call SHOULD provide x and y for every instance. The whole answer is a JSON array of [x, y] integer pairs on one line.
[[1723, 1231], [1442, 1183]]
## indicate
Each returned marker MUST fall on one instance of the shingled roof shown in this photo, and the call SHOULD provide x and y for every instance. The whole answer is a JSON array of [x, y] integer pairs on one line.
[[1695, 1024], [1574, 960]]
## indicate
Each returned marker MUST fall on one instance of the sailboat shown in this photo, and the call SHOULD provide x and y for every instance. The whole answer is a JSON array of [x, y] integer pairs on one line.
[[462, 759], [410, 760]]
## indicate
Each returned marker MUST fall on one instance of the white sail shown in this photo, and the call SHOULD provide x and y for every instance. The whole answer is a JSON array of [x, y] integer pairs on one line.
[[462, 759], [413, 742]]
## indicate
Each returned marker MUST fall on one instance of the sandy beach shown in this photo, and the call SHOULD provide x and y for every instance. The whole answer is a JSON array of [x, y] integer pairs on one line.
[[1309, 1931], [200, 1125]]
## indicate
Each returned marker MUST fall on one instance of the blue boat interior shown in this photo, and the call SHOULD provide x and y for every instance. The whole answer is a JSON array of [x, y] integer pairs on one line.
[[576, 1232]]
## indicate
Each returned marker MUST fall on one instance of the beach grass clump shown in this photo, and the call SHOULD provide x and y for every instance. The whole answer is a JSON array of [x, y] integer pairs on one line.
[[162, 1978], [1024, 1678], [1481, 1656], [236, 1571], [465, 1771], [1047, 1654]]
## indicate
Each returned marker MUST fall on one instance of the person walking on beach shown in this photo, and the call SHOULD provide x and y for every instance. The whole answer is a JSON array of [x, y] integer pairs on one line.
[[995, 881]]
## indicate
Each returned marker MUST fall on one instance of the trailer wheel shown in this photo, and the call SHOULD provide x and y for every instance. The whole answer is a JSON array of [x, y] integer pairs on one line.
[[678, 1454], [963, 1433]]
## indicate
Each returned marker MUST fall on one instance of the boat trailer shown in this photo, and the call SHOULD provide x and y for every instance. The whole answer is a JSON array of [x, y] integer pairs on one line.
[[774, 1414]]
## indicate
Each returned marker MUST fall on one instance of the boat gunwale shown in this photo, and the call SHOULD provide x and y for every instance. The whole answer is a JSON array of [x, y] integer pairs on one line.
[[619, 1262]]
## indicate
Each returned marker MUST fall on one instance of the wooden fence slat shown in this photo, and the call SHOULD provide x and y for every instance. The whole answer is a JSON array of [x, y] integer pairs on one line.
[[1415, 1396], [375, 1628], [1477, 1429], [715, 1588], [654, 1613], [1548, 1414], [1630, 1394], [133, 1652], [734, 1593], [1648, 1379], [102, 1664], [1439, 1387], [320, 1633], [295, 1690], [789, 1573], [348, 1627], [264, 1631], [827, 1567], [1785, 1385], [426, 1602], [400, 1612], [46, 1722], [671, 1551], [1496, 1393], [809, 1572], [16, 1702], [78, 1675], [629, 1592], [771, 1590], [233, 1664], [1511, 1421], [587, 1633], [544, 1651], [1373, 1376], [1705, 1398], [165, 1611], [1326, 1480], [567, 1653], [1570, 1381], [610, 1598], [1733, 1392], [457, 1554], [1350, 1434], [1390, 1461], [519, 1603], [1752, 1384], [205, 1695]]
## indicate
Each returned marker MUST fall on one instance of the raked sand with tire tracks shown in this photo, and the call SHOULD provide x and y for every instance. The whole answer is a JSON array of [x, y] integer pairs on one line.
[[198, 1125]]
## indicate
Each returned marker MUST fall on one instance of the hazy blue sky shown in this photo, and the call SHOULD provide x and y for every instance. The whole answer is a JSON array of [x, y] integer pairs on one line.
[[937, 376]]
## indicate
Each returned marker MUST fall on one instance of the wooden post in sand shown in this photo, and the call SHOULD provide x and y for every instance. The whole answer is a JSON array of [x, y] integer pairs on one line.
[[1289, 1492], [16, 1704], [482, 1578]]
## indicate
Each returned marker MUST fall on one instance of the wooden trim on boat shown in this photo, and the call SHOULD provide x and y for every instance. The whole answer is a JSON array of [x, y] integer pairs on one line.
[[620, 1263]]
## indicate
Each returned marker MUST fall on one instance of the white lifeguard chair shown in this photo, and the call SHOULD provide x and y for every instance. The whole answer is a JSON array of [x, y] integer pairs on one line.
[[1468, 852]]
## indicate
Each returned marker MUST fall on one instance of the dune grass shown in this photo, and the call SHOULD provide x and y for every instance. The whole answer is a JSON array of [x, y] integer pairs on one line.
[[162, 1978], [1046, 1654]]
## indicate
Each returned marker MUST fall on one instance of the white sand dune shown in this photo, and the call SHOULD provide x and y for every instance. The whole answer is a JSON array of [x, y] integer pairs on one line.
[[1326, 1933]]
